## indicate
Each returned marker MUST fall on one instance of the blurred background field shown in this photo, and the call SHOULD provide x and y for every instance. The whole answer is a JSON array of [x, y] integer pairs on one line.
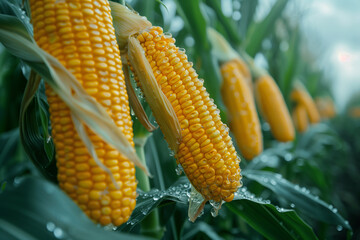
[[303, 189]]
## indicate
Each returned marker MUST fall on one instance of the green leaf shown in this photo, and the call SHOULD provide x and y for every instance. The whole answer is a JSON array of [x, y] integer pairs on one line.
[[191, 13], [8, 143], [33, 208], [259, 31], [300, 197], [146, 202], [32, 138], [292, 58], [247, 11], [201, 227], [271, 157], [270, 222], [273, 223], [44, 118], [227, 22]]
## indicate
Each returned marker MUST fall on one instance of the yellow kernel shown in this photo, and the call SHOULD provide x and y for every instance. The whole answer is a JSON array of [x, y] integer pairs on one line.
[[83, 198], [82, 167], [69, 188], [126, 212], [219, 164], [191, 168], [105, 220], [106, 210], [105, 200], [94, 205], [70, 172], [115, 204], [112, 154], [100, 186], [83, 175], [85, 184], [128, 192], [194, 147], [95, 195], [95, 214], [116, 194]]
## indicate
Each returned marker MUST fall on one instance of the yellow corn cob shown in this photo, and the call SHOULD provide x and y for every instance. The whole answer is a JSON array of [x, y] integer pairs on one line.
[[81, 36], [354, 112], [300, 118], [241, 65], [273, 107], [325, 107], [205, 151], [239, 101], [301, 96]]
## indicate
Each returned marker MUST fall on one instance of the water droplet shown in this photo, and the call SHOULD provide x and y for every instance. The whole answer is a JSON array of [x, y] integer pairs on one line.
[[144, 211], [50, 226], [179, 170], [17, 181], [288, 157], [339, 228], [216, 207], [273, 182], [266, 126], [156, 198], [167, 35], [292, 205], [182, 50], [58, 233]]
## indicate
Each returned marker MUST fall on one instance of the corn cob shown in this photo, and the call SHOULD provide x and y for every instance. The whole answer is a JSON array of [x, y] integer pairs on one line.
[[81, 36], [300, 118], [245, 71], [325, 107], [301, 96], [238, 99], [273, 108], [206, 152], [354, 112]]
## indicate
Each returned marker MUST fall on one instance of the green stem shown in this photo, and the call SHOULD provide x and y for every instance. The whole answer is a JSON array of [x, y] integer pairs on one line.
[[150, 226]]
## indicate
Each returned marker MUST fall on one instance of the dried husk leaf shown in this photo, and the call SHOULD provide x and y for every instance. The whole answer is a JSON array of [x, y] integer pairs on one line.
[[135, 103], [126, 23], [220, 47], [159, 104]]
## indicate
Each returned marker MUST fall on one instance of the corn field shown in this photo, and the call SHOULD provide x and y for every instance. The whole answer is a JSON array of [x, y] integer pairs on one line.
[[156, 120]]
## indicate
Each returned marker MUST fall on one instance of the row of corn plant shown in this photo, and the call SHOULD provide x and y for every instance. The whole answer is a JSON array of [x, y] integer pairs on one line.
[[111, 129]]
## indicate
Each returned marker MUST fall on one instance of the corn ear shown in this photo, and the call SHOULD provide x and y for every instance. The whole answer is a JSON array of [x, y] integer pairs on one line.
[[239, 101], [326, 107], [300, 118], [273, 108], [100, 179], [205, 150], [160, 105], [300, 95]]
